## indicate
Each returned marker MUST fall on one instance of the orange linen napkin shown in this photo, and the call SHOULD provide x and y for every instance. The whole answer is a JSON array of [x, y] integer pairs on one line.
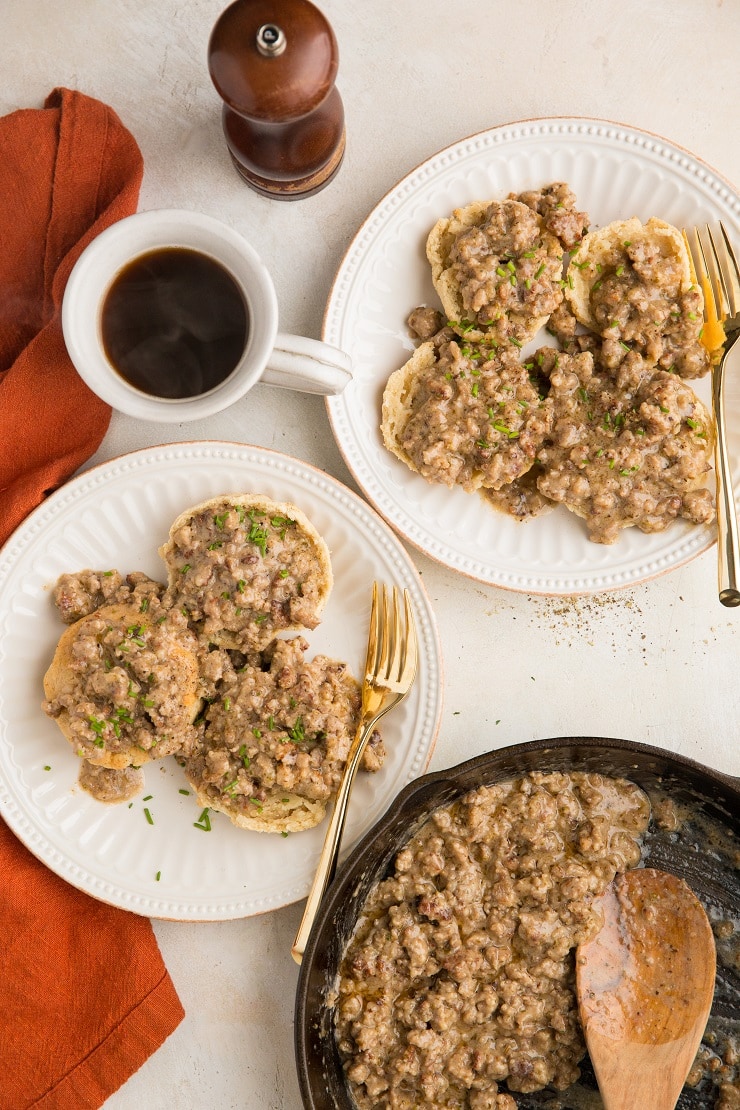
[[86, 998]]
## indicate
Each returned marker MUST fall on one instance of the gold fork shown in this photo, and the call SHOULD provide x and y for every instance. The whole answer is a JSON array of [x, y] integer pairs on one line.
[[718, 275], [390, 670]]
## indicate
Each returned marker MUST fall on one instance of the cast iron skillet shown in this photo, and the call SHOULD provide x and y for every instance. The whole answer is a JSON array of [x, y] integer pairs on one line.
[[711, 871]]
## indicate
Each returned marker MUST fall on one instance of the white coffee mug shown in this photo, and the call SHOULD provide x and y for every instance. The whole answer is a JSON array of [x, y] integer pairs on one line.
[[270, 356]]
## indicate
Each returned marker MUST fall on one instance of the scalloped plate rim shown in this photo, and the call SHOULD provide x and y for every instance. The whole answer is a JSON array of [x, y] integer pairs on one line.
[[44, 526], [685, 543]]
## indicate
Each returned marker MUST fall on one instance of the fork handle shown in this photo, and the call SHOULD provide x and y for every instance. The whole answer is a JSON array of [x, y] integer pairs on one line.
[[328, 860], [728, 547]]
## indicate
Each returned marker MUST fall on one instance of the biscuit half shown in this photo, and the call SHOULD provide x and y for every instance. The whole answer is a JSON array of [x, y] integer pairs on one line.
[[439, 247], [280, 812], [244, 567], [124, 689], [605, 248], [398, 400]]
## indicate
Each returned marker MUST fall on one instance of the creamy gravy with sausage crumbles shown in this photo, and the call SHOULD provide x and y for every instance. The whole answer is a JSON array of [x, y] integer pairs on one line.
[[498, 266], [243, 574], [625, 457], [507, 271], [277, 731], [610, 430], [476, 419], [110, 784], [638, 303], [78, 595], [460, 975], [124, 687], [195, 669]]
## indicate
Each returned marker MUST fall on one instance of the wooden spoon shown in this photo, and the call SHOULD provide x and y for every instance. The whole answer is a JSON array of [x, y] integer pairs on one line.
[[645, 984]]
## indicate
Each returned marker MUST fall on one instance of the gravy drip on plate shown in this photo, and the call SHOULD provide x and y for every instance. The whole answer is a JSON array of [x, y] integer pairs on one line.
[[109, 784]]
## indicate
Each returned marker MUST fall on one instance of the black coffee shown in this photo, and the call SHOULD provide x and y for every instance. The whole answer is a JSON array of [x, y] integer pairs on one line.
[[174, 323]]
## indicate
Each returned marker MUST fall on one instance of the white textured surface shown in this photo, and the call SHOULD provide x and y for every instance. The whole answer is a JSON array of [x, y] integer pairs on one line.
[[658, 663]]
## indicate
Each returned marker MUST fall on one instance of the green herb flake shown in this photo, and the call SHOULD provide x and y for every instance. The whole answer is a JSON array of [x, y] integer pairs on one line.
[[505, 430], [204, 822], [149, 818], [297, 733]]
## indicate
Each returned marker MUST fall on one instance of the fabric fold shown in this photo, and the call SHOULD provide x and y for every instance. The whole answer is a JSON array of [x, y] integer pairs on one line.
[[67, 171]]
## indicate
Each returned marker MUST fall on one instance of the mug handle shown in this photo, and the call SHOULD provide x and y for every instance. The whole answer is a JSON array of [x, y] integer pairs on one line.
[[307, 365]]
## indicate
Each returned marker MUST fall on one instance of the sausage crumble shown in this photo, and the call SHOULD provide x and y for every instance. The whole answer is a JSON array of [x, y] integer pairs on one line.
[[460, 975]]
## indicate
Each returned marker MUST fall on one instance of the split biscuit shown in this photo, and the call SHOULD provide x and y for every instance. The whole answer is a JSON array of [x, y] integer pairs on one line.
[[496, 269], [124, 688], [244, 568], [275, 740], [617, 244], [464, 415]]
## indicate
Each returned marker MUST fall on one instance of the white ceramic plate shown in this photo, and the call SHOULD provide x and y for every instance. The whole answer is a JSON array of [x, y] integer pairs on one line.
[[116, 515], [616, 172]]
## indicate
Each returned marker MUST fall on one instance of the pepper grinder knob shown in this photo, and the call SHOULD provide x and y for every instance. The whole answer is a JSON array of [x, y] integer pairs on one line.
[[274, 63]]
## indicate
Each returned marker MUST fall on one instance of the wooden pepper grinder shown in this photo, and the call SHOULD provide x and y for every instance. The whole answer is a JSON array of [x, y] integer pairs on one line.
[[274, 63]]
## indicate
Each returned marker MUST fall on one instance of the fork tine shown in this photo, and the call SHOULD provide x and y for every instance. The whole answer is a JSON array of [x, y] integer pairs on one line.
[[396, 638], [386, 636], [712, 271], [733, 272], [698, 264], [411, 652], [713, 334], [371, 660]]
